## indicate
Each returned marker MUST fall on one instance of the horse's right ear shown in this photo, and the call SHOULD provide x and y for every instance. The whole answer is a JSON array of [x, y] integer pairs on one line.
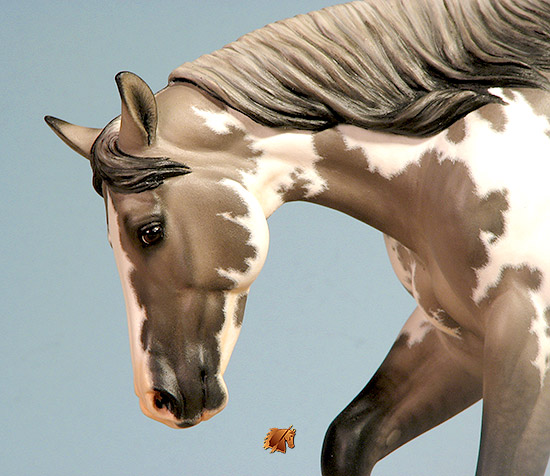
[[78, 138]]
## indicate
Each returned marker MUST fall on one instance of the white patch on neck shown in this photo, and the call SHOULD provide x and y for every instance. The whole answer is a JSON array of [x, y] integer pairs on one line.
[[283, 159], [255, 224], [136, 314], [219, 123], [386, 154]]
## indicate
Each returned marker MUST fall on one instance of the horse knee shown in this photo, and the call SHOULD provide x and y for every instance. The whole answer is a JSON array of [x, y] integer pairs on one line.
[[348, 448]]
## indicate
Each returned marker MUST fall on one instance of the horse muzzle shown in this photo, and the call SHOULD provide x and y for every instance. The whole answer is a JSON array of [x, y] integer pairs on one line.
[[185, 403]]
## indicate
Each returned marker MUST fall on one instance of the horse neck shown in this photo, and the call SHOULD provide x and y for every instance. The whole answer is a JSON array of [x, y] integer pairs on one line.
[[361, 173]]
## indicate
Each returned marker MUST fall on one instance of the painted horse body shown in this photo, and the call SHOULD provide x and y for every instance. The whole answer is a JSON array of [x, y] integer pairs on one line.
[[463, 210]]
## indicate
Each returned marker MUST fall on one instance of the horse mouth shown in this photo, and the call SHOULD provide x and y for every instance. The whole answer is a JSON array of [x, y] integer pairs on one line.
[[182, 424], [206, 415]]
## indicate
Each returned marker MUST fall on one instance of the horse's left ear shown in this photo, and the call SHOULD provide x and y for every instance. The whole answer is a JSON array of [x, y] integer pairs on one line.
[[139, 118], [78, 138]]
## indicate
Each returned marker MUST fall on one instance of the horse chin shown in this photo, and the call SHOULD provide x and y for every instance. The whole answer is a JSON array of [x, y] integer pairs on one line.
[[178, 425], [207, 414]]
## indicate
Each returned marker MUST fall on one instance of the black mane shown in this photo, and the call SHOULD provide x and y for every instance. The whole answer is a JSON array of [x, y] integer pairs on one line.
[[410, 67]]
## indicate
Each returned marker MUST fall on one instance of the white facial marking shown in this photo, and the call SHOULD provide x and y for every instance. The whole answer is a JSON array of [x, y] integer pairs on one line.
[[136, 314], [255, 224], [283, 158]]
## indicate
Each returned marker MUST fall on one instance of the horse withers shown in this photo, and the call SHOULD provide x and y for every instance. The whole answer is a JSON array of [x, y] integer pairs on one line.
[[428, 120]]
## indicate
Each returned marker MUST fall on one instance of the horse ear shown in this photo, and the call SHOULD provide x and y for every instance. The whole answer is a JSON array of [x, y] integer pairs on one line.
[[139, 118], [78, 138]]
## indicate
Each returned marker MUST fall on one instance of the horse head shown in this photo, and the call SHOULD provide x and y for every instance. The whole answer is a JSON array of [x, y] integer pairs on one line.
[[188, 238], [289, 437]]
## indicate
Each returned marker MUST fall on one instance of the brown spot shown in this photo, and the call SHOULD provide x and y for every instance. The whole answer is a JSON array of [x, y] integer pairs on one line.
[[485, 214], [299, 187], [513, 276], [508, 95], [405, 259], [532, 278], [538, 100], [494, 114], [490, 216], [457, 132], [239, 313], [239, 237], [455, 214]]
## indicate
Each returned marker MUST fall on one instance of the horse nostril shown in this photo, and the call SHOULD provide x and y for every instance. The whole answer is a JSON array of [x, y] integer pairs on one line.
[[165, 400]]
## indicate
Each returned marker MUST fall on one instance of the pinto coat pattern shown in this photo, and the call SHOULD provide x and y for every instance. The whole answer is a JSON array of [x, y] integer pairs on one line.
[[428, 120]]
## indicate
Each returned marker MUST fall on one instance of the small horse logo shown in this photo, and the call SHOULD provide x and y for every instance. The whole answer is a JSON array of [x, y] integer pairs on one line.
[[277, 439]]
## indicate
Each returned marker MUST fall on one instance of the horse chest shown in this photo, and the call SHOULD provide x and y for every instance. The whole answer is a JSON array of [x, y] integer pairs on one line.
[[420, 283]]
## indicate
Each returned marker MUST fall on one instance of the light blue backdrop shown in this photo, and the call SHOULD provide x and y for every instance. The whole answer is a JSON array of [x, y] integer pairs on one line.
[[319, 320]]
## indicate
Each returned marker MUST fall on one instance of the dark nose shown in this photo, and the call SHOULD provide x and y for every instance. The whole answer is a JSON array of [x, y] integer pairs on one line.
[[188, 398]]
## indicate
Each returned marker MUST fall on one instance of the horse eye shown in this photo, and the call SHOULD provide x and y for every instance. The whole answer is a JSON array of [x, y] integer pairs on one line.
[[151, 234]]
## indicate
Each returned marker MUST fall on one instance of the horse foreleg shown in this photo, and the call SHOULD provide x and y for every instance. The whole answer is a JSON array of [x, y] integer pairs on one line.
[[516, 390], [419, 385]]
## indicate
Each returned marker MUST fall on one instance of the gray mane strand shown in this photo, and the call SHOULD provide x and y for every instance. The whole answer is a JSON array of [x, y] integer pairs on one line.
[[126, 173], [410, 67]]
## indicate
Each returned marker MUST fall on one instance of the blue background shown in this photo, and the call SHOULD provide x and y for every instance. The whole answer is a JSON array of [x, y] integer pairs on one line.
[[320, 318]]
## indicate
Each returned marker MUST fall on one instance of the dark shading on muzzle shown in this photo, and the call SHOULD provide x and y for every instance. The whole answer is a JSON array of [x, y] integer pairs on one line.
[[188, 390]]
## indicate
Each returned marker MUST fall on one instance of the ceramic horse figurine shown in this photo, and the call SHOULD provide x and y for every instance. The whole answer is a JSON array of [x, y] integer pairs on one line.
[[428, 120]]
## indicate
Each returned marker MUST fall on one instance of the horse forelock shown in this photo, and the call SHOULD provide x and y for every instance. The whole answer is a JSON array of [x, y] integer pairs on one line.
[[411, 68], [128, 173]]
